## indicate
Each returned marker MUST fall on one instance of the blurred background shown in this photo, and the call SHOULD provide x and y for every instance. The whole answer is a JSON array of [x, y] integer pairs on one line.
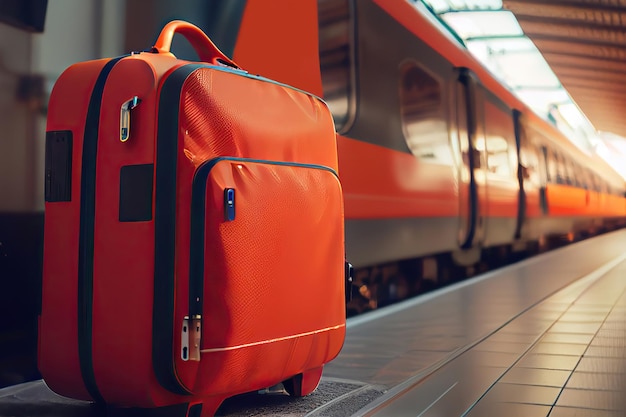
[[38, 40]]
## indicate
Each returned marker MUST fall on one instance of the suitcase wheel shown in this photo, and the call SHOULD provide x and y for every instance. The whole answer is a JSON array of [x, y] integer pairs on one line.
[[303, 384], [205, 407]]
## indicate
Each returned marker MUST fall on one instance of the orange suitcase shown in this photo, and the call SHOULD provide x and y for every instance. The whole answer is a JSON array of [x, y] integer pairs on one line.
[[193, 240]]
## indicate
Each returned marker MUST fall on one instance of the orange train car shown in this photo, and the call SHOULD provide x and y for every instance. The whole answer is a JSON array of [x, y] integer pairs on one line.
[[442, 166]]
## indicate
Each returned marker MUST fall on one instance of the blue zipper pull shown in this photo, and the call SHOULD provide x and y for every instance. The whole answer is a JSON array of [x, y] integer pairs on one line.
[[229, 204]]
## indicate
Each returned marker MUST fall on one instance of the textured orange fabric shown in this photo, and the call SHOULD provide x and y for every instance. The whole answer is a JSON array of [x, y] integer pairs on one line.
[[274, 274], [244, 119]]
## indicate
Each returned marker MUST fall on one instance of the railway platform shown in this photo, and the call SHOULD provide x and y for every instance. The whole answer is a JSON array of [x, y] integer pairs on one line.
[[562, 354], [543, 337]]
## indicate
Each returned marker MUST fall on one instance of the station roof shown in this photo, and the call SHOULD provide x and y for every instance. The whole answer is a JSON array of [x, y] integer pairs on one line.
[[566, 59], [584, 42]]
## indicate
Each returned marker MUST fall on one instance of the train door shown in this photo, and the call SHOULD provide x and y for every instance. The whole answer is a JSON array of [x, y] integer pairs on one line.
[[472, 148], [547, 174], [522, 173], [531, 175]]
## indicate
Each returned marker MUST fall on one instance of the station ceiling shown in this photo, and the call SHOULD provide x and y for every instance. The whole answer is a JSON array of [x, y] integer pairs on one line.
[[584, 41]]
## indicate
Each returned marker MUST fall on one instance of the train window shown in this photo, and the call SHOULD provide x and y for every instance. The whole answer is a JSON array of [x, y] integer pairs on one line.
[[570, 175], [590, 181], [585, 178], [578, 177], [550, 165], [551, 162], [463, 131], [559, 179], [560, 168], [530, 161], [561, 174], [498, 156], [337, 59], [424, 127]]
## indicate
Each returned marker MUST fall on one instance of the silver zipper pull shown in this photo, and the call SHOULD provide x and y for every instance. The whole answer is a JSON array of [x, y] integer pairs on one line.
[[125, 117], [184, 340], [195, 335], [190, 338]]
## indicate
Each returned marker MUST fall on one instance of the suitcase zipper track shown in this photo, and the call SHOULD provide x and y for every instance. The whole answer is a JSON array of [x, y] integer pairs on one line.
[[197, 239], [86, 233], [165, 231]]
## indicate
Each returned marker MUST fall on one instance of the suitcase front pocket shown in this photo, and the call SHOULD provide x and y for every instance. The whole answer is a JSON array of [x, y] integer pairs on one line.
[[267, 256]]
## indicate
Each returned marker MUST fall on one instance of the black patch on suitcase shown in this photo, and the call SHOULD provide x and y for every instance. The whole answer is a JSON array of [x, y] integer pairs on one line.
[[136, 193], [58, 182]]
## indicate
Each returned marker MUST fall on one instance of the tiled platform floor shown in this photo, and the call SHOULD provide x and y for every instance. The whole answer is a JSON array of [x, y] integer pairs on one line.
[[577, 367], [545, 337], [563, 355]]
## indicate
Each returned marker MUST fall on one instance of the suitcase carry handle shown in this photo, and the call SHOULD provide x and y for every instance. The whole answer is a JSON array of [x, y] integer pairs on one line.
[[204, 47]]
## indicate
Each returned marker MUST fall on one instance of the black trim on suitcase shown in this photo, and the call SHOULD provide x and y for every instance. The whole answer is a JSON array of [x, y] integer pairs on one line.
[[198, 212], [165, 231], [86, 233]]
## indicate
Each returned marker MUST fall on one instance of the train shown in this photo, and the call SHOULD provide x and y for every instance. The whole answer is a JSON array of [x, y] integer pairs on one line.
[[444, 169]]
